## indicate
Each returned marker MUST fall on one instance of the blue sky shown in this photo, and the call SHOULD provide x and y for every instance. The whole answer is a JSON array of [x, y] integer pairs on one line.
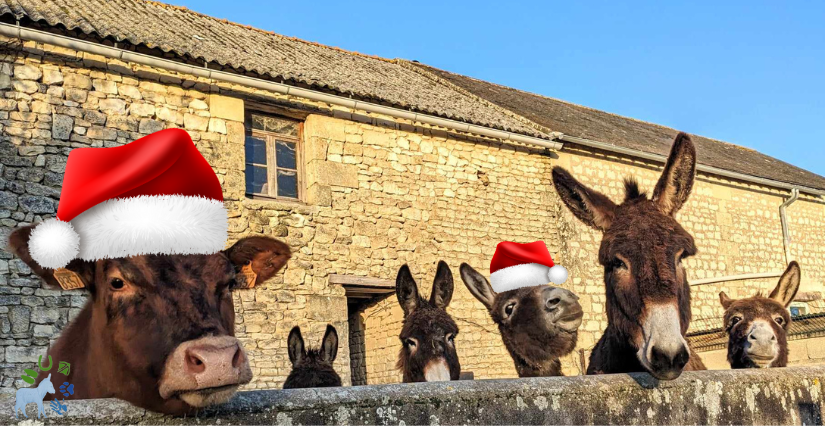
[[746, 72]]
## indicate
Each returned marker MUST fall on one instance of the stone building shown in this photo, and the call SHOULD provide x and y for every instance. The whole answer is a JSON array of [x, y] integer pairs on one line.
[[360, 164]]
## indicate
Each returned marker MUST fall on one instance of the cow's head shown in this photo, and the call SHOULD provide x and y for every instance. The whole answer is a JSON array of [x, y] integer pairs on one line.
[[161, 327]]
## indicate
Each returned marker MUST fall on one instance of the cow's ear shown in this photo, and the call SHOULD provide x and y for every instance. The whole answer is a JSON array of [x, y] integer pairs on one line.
[[265, 255], [19, 245]]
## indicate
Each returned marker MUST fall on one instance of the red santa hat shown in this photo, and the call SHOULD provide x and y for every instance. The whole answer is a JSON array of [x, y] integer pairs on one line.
[[517, 265], [156, 195]]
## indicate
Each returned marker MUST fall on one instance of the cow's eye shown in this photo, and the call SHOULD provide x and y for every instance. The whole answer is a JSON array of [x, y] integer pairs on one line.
[[117, 284]]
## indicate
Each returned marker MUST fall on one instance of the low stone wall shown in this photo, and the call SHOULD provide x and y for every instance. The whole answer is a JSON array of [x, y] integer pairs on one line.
[[774, 396]]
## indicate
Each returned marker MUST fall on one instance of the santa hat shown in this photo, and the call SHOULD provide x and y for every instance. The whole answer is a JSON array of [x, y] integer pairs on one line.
[[517, 265], [156, 195]]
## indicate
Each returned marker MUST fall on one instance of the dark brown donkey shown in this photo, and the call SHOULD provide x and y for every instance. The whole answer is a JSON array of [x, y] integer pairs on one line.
[[428, 335], [537, 324], [757, 327], [312, 368], [158, 330], [648, 296]]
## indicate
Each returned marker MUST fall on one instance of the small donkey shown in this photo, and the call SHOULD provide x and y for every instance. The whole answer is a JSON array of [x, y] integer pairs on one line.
[[312, 368], [757, 326], [538, 324], [27, 396], [428, 351]]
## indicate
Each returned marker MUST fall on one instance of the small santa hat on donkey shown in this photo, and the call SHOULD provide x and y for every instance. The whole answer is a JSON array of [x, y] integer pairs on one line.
[[156, 195], [517, 265]]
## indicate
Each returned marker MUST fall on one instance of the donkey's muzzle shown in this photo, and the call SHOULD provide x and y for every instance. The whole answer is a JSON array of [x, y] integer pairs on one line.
[[563, 308], [205, 371], [667, 364]]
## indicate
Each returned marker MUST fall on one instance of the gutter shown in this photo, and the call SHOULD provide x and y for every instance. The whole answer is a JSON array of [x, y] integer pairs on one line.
[[18, 32], [13, 31], [699, 167], [786, 236], [735, 278]]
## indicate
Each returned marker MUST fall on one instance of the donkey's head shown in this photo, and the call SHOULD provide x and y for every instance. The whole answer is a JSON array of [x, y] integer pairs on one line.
[[757, 326], [428, 335], [537, 324], [642, 251], [312, 368]]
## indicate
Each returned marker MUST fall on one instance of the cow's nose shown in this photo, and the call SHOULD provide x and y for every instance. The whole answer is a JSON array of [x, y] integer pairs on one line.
[[199, 359]]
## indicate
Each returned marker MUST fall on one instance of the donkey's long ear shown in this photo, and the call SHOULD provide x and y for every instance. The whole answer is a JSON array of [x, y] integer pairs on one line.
[[788, 285], [329, 346], [442, 291], [19, 245], [725, 300], [406, 290], [674, 186], [478, 285], [295, 344], [590, 206]]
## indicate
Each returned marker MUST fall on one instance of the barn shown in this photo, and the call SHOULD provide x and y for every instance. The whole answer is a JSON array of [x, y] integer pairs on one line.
[[362, 164]]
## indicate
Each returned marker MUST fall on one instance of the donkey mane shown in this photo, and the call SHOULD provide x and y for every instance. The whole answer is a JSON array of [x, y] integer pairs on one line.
[[632, 191]]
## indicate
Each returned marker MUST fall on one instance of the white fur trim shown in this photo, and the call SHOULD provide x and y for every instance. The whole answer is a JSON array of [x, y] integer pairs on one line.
[[517, 276], [164, 224], [557, 274], [53, 243]]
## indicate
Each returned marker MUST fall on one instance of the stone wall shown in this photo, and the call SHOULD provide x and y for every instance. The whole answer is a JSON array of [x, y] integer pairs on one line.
[[771, 396], [378, 193]]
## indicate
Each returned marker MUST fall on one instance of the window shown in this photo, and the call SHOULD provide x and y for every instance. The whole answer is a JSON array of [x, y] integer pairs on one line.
[[798, 309], [273, 148]]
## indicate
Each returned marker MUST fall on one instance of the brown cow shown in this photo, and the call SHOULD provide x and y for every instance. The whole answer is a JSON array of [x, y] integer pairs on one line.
[[158, 330]]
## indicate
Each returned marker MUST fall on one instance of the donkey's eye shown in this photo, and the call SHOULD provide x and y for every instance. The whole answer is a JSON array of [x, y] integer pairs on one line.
[[411, 342], [451, 337], [619, 263], [508, 310], [779, 320], [735, 320], [117, 284]]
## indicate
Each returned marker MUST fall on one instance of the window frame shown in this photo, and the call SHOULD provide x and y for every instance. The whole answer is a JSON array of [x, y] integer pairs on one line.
[[270, 139]]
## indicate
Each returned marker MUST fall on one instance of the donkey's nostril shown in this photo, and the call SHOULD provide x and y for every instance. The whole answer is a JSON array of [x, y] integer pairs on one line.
[[752, 337], [552, 303]]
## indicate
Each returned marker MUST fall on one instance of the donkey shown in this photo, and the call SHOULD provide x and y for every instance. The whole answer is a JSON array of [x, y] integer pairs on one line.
[[312, 368], [35, 395], [757, 326], [158, 330], [648, 296], [537, 324], [428, 351]]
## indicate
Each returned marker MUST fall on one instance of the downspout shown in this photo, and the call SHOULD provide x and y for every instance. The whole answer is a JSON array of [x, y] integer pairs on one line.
[[786, 235]]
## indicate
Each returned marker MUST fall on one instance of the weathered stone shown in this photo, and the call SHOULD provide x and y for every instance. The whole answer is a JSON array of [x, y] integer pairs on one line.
[[36, 204], [51, 76], [94, 117], [62, 126], [105, 86], [332, 174], [217, 125], [129, 91], [41, 107], [198, 104], [226, 107], [28, 355], [142, 110], [148, 126], [19, 318], [195, 122], [8, 104], [31, 175], [77, 80], [112, 106], [38, 189], [42, 315], [25, 86], [103, 133], [27, 72], [43, 331], [8, 200], [77, 95]]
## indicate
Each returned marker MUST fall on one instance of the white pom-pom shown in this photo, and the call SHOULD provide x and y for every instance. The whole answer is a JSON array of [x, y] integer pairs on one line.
[[557, 274], [54, 243]]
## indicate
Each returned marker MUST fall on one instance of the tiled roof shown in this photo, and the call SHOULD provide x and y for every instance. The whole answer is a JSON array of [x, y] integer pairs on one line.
[[398, 83], [194, 35]]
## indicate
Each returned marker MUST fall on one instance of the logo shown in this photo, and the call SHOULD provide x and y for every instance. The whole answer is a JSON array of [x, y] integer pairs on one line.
[[30, 375], [66, 389], [35, 395], [26, 396], [59, 408]]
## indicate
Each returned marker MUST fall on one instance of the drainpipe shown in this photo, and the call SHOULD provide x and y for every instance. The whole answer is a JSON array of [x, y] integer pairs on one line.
[[786, 236]]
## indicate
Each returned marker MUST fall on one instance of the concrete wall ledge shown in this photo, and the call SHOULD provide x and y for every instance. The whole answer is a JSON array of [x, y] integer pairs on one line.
[[775, 396]]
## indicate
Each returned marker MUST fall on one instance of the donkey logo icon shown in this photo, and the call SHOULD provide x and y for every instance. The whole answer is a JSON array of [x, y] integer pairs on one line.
[[27, 396]]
